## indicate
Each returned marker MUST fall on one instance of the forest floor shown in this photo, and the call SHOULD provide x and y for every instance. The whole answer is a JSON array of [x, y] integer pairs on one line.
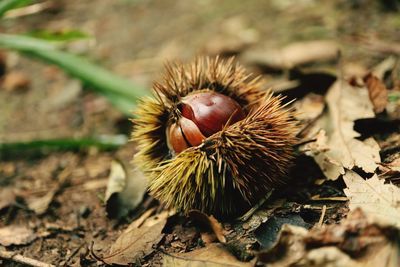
[[52, 204]]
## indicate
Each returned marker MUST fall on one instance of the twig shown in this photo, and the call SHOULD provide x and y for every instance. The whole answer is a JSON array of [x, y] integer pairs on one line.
[[321, 219], [248, 214], [94, 254], [9, 255], [73, 254]]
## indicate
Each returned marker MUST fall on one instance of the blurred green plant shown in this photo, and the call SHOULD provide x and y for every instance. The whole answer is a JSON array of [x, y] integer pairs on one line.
[[121, 92], [6, 5], [394, 96], [47, 46], [58, 36], [39, 147]]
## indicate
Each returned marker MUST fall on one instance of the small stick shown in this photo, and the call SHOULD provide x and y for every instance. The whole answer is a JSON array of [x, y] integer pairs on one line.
[[321, 219], [248, 214], [73, 254], [9, 255]]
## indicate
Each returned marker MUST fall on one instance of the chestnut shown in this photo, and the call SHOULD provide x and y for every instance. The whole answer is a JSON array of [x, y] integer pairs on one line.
[[203, 113]]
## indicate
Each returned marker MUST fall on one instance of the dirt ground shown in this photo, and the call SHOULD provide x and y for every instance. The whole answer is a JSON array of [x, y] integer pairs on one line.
[[134, 38]]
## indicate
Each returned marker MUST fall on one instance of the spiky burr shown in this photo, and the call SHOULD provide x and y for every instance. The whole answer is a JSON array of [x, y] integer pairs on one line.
[[212, 139]]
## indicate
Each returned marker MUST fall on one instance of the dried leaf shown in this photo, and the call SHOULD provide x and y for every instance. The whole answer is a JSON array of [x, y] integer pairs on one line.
[[294, 54], [390, 170], [40, 204], [16, 81], [16, 235], [377, 92], [309, 107], [210, 222], [125, 190], [337, 148], [213, 255], [357, 241], [146, 221], [134, 244], [384, 67], [7, 197], [379, 200]]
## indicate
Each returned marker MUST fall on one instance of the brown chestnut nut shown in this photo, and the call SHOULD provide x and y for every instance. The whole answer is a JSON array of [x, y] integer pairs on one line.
[[203, 114]]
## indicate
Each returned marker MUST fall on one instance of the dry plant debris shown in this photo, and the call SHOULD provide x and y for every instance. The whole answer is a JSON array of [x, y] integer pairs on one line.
[[52, 208], [16, 235], [356, 241], [213, 255], [376, 199], [377, 92], [336, 147], [125, 189], [135, 244]]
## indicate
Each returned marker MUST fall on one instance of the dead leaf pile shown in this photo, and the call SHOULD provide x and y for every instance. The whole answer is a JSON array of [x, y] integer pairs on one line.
[[336, 148], [356, 241], [377, 199]]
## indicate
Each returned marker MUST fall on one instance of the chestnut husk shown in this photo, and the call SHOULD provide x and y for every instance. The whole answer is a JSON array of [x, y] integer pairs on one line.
[[231, 169]]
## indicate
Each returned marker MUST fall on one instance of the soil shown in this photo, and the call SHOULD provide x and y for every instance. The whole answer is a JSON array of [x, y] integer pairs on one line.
[[134, 39]]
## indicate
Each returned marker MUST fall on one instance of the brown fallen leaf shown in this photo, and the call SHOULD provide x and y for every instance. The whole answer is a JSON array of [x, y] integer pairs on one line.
[[309, 107], [377, 92], [336, 148], [307, 110], [357, 241], [7, 197], [16, 235], [391, 170], [125, 190], [387, 65], [213, 255], [133, 245], [210, 222], [377, 199], [293, 54], [16, 81], [40, 204]]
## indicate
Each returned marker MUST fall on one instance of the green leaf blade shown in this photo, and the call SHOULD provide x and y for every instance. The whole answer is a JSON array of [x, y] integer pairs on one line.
[[99, 79]]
